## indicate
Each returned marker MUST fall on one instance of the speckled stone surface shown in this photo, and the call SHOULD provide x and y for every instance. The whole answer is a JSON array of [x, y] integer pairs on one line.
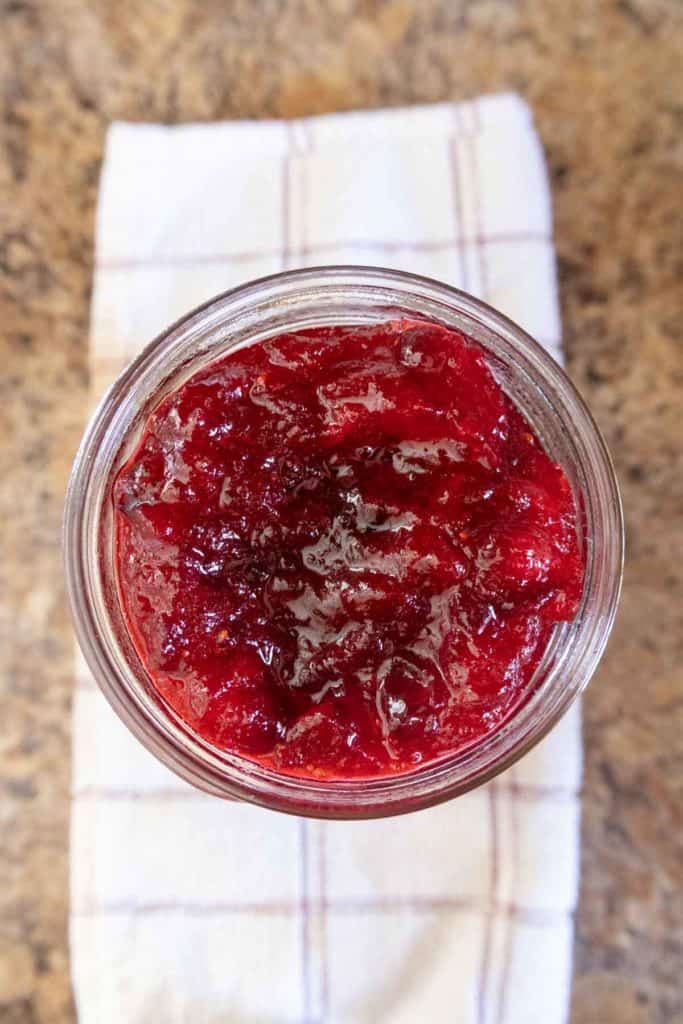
[[604, 80]]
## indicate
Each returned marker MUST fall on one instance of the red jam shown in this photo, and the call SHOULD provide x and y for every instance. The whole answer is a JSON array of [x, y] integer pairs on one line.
[[341, 553]]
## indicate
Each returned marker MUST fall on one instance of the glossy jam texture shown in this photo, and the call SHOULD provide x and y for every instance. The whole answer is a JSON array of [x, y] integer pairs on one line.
[[342, 552]]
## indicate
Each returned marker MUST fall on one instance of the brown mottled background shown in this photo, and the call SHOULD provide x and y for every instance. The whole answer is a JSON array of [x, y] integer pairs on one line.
[[605, 82]]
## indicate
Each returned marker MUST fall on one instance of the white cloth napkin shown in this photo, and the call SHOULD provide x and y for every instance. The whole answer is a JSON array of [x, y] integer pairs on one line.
[[189, 909]]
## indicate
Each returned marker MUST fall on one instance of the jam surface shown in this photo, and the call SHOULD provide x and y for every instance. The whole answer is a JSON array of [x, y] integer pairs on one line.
[[341, 552]]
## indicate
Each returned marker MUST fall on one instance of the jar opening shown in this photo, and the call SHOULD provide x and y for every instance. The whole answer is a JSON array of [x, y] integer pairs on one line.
[[291, 302]]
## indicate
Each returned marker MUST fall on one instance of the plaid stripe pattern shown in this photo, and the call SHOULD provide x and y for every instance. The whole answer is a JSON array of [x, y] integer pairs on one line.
[[222, 912]]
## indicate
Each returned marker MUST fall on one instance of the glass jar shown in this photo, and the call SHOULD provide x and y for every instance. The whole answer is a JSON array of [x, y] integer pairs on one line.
[[255, 312]]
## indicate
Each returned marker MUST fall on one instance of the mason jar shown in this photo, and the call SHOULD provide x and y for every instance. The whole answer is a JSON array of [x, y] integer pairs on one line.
[[254, 312]]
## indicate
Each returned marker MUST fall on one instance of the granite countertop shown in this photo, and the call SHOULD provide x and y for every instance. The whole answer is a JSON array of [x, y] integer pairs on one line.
[[604, 81]]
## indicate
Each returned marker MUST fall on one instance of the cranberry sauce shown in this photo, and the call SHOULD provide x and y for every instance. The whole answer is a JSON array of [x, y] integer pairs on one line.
[[342, 552]]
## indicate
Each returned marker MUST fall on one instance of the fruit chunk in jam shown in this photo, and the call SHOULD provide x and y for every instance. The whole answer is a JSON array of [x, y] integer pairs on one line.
[[342, 552]]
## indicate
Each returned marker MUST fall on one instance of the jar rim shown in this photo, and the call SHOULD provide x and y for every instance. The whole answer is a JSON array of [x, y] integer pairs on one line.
[[275, 302]]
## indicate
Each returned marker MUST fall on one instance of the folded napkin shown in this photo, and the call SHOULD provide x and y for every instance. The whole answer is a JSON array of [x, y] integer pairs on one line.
[[185, 908]]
